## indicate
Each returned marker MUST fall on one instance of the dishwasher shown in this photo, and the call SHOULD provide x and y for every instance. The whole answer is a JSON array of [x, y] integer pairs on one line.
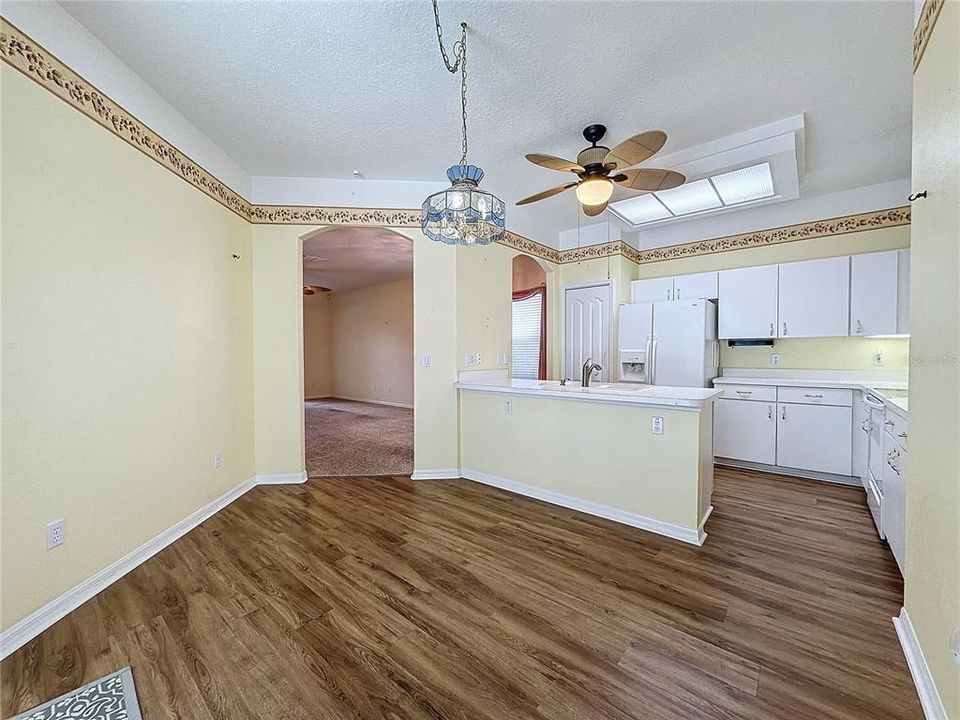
[[873, 482]]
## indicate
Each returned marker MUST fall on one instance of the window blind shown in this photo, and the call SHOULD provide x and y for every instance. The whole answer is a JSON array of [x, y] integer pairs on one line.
[[526, 337]]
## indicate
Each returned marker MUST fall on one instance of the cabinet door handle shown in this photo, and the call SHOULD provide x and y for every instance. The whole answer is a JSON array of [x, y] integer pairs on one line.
[[865, 426], [808, 395], [771, 329], [769, 412], [678, 293], [668, 293], [744, 392], [784, 329], [859, 327], [783, 413], [903, 434], [888, 422]]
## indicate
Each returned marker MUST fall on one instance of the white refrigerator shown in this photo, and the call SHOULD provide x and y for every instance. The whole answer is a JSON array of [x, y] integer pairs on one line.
[[669, 343]]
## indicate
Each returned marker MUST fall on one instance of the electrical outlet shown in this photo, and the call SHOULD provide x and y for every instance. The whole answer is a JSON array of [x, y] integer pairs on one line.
[[469, 360], [426, 360], [878, 358], [508, 407], [54, 533], [656, 425], [774, 359], [218, 460]]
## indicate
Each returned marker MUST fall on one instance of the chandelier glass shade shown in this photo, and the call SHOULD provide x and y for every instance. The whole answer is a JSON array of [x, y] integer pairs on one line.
[[464, 214]]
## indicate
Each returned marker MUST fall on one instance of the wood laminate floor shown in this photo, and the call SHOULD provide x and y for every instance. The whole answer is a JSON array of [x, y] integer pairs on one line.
[[383, 598]]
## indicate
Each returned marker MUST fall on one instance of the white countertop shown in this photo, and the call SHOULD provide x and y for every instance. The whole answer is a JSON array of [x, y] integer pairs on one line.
[[688, 398], [875, 385]]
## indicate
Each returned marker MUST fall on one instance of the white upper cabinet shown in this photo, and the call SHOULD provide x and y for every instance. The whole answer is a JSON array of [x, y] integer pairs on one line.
[[651, 290], [814, 298], [879, 288], [747, 304], [693, 287]]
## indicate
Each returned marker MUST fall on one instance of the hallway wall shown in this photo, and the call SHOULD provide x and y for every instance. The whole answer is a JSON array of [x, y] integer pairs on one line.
[[371, 343], [317, 382]]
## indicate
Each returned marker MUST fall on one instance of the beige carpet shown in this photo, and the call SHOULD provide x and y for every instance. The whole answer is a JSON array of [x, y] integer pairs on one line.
[[345, 437]]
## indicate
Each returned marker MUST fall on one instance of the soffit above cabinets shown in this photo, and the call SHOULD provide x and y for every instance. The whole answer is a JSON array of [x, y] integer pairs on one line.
[[756, 167]]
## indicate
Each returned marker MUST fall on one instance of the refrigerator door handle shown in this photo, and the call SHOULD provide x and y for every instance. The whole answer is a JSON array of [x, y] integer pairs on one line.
[[648, 367], [653, 365]]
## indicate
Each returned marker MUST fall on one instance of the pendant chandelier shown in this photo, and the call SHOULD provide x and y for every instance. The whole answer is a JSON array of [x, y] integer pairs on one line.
[[463, 214]]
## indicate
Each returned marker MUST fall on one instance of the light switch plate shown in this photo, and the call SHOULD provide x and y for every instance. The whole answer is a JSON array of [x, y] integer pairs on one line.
[[426, 360], [656, 425], [217, 460], [508, 407]]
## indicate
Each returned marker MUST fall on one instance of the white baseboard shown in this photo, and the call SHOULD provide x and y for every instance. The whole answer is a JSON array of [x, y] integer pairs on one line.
[[290, 479], [677, 532], [701, 532], [406, 406], [436, 474], [317, 397], [930, 701], [39, 620], [792, 472]]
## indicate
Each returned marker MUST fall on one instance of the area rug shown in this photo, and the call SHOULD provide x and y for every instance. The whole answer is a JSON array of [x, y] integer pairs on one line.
[[110, 698], [346, 437]]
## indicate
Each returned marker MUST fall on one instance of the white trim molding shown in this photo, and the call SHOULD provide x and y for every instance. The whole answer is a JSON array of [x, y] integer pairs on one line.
[[437, 474], [406, 406], [677, 532], [930, 701], [289, 479], [36, 622]]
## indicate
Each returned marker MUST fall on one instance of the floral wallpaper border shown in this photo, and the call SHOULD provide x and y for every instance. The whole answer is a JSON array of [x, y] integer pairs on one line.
[[921, 33], [25, 55]]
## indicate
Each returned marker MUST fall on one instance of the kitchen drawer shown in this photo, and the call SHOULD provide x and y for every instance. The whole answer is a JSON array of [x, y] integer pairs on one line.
[[815, 396], [766, 393], [896, 425]]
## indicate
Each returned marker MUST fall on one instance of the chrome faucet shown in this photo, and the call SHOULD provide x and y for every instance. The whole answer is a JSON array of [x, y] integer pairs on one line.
[[587, 370]]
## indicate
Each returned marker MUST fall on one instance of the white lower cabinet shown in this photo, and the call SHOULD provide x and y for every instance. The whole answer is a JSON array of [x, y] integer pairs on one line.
[[814, 437], [745, 430], [895, 487]]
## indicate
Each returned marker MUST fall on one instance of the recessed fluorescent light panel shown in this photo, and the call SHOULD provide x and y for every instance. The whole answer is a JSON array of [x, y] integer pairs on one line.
[[690, 198], [744, 185], [642, 209], [717, 192]]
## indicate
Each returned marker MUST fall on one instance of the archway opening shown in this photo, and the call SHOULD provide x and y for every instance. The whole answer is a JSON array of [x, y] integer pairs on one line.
[[529, 320], [358, 352]]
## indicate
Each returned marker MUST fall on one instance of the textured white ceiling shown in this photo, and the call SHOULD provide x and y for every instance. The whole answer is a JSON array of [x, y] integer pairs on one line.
[[318, 89], [353, 257]]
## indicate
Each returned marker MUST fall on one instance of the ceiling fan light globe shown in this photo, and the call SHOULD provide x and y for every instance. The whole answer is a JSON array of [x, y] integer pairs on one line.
[[594, 191]]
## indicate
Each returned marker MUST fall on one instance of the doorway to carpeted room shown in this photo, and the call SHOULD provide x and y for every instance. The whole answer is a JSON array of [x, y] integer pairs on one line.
[[346, 437]]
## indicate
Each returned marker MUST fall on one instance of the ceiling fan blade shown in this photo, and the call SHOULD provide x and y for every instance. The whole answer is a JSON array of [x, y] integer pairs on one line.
[[554, 163], [637, 149], [545, 194], [650, 179], [593, 210]]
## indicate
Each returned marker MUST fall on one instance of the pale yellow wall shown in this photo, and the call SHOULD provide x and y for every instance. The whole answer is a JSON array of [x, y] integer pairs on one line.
[[542, 444], [435, 334], [277, 348], [127, 347], [371, 343], [933, 472], [802, 353], [840, 353], [484, 293], [316, 346]]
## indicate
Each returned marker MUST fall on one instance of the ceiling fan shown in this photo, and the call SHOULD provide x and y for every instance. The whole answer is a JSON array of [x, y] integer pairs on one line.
[[595, 164]]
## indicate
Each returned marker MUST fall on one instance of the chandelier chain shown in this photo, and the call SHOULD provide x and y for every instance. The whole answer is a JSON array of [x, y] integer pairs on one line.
[[459, 63]]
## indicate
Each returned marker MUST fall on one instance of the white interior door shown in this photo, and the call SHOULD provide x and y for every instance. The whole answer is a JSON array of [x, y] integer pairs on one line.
[[586, 330]]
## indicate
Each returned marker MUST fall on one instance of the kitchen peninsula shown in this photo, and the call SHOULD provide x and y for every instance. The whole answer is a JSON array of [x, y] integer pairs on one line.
[[636, 454]]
